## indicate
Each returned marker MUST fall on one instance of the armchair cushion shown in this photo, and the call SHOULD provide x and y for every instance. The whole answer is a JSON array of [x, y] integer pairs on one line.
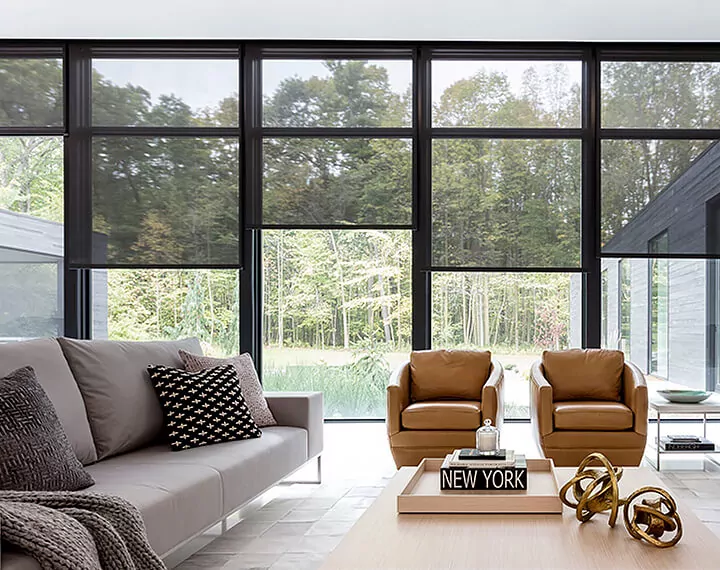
[[448, 374], [592, 416], [442, 415], [594, 374]]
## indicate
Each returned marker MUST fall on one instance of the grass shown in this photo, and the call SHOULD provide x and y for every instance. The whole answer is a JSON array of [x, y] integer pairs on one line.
[[353, 385]]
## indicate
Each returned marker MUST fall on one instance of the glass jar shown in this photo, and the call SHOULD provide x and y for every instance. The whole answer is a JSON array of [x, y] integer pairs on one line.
[[487, 437]]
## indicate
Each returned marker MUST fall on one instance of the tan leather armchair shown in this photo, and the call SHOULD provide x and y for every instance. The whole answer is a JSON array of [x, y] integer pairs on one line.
[[589, 400], [436, 401]]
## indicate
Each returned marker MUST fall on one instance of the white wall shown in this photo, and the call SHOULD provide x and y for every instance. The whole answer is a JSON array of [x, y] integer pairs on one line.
[[541, 20]]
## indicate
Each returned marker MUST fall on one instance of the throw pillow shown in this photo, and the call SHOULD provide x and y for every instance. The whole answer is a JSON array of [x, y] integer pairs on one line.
[[36, 452], [203, 407], [249, 382]]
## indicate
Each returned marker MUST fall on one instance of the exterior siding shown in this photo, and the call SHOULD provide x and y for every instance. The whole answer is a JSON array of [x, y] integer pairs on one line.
[[680, 209], [687, 307], [687, 331]]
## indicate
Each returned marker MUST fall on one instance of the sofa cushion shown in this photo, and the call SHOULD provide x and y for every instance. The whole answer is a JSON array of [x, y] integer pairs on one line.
[[176, 502], [202, 408], [592, 416], [448, 374], [249, 382], [122, 408], [442, 415], [593, 374], [246, 468], [54, 375], [36, 453]]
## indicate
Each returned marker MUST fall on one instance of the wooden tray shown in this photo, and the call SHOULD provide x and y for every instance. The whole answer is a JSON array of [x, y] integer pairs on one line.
[[422, 493]]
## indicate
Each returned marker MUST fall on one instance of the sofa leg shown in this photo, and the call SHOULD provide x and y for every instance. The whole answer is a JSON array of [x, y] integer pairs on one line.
[[308, 482]]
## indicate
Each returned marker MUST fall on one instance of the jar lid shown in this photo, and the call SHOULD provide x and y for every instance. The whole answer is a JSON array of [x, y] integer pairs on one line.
[[487, 427]]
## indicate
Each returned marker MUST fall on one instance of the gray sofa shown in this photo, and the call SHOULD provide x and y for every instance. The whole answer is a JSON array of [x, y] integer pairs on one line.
[[113, 419]]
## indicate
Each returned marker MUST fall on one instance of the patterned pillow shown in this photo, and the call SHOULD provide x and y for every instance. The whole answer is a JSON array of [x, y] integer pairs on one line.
[[36, 452], [202, 408], [249, 382]]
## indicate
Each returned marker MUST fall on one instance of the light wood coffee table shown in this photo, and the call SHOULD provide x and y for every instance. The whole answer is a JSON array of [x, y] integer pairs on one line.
[[382, 539]]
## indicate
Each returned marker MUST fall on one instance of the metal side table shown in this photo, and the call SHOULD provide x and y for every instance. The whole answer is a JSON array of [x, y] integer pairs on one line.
[[660, 406]]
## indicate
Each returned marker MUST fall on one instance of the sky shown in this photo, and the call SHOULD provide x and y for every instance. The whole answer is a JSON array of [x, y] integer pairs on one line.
[[202, 83]]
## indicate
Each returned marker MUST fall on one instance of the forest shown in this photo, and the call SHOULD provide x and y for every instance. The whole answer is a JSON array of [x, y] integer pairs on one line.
[[337, 303]]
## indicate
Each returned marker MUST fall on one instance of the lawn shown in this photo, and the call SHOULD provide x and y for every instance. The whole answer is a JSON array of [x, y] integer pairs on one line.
[[353, 385]]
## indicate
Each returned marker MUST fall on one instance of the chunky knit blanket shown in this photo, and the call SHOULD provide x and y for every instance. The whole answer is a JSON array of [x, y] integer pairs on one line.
[[76, 531]]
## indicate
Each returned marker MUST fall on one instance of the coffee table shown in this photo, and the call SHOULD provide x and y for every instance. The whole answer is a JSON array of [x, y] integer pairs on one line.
[[383, 539]]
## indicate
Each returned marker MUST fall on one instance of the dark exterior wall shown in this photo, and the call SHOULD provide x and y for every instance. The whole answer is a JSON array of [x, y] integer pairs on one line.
[[680, 209]]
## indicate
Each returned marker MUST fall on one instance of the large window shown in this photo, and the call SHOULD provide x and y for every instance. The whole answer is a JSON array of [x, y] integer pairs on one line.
[[337, 314], [506, 188], [156, 304], [659, 158], [31, 196], [328, 207], [514, 315], [336, 303]]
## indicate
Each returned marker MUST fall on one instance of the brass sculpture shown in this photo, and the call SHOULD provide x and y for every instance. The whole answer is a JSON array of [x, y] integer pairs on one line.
[[657, 516], [595, 490]]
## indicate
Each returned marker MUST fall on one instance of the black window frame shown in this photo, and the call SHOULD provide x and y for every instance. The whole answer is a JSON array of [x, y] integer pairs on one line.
[[78, 132]]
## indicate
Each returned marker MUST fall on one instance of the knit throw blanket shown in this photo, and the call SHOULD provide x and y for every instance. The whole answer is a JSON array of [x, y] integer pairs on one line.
[[76, 531]]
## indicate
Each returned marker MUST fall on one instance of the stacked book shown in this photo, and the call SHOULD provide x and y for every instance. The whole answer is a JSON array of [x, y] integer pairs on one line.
[[685, 443], [474, 470]]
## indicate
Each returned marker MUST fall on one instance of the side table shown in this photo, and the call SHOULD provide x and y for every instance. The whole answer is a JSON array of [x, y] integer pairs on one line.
[[661, 406]]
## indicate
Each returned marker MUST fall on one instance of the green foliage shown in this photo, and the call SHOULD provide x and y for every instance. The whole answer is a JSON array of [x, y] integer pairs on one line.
[[495, 203]]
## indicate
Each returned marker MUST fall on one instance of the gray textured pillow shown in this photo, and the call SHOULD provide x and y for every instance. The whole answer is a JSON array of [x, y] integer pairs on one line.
[[36, 452], [249, 382]]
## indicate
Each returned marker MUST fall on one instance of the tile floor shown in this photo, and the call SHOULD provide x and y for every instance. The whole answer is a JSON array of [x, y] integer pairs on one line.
[[300, 524]]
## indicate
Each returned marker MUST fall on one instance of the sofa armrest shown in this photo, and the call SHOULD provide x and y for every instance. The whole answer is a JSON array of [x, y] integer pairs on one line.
[[635, 396], [398, 398], [303, 410], [492, 395], [541, 401]]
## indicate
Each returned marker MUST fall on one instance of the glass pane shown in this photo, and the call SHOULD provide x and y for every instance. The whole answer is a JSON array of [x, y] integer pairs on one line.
[[514, 315], [31, 92], [667, 95], [30, 285], [616, 305], [152, 304], [506, 203], [165, 201], [506, 93], [651, 186], [31, 176], [336, 314], [337, 181], [663, 319], [165, 92], [337, 93]]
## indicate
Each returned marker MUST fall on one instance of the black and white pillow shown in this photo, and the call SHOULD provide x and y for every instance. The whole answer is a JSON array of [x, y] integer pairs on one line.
[[202, 408]]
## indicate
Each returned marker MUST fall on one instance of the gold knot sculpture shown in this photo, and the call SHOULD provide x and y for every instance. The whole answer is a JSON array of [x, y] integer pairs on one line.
[[648, 512]]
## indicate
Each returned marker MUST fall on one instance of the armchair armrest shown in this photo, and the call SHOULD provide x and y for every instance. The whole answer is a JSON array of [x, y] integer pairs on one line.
[[541, 401], [303, 410], [398, 398], [492, 394], [635, 396]]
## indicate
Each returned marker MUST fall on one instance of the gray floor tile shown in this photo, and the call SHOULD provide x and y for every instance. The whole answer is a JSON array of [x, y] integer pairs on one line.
[[299, 561]]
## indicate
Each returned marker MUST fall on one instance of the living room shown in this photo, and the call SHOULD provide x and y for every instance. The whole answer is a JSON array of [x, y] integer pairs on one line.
[[341, 237]]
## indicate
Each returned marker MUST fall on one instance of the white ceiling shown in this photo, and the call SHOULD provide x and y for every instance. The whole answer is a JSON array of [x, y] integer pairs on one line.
[[541, 20]]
